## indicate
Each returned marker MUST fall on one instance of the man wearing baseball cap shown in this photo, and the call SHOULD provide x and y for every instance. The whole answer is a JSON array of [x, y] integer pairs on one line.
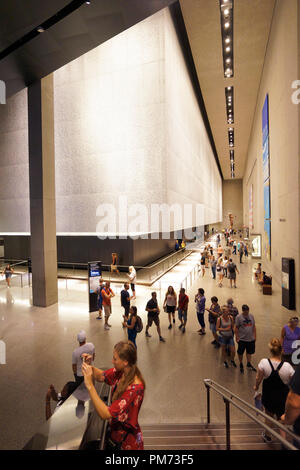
[[84, 348]]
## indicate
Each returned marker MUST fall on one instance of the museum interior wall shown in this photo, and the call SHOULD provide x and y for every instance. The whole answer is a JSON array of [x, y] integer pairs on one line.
[[280, 70]]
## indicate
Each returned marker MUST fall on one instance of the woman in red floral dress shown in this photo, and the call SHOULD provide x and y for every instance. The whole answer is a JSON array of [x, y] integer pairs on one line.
[[127, 395]]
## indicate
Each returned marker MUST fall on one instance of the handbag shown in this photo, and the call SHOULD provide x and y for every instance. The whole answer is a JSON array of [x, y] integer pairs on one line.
[[112, 445]]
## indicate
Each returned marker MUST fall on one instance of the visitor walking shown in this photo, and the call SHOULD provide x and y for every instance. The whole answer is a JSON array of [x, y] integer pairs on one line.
[[153, 316], [183, 303], [130, 324], [245, 333], [289, 334], [232, 270], [200, 308], [107, 293], [276, 376], [225, 327], [170, 304], [213, 314]]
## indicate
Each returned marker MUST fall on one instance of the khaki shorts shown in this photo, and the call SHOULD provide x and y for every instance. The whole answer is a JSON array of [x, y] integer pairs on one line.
[[107, 310]]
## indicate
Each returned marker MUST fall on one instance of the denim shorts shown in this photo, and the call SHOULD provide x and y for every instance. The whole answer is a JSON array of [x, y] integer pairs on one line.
[[213, 327], [182, 314], [226, 340]]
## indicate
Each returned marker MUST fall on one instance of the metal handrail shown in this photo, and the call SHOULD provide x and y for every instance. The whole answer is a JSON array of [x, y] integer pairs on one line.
[[211, 384], [102, 443]]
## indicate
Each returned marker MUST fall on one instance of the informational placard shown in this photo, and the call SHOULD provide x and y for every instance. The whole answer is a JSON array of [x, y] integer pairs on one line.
[[94, 274], [288, 283]]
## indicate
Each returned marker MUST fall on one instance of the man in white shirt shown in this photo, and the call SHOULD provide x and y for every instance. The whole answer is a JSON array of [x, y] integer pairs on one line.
[[84, 348]]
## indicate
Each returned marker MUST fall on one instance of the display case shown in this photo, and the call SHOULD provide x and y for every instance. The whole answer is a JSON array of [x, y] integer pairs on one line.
[[255, 241]]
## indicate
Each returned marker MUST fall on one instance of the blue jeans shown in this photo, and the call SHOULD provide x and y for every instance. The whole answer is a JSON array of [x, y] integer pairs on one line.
[[213, 269], [201, 319]]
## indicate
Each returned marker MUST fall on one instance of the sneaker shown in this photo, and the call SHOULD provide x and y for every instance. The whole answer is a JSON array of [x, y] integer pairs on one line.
[[233, 363], [106, 327], [250, 367], [265, 437], [183, 330], [226, 364], [109, 325], [214, 342], [169, 327], [198, 331], [180, 326], [147, 335], [202, 332], [242, 368], [162, 339], [98, 318]]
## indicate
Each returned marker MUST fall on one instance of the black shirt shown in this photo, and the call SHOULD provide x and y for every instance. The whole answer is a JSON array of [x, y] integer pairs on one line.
[[152, 304], [125, 301], [295, 387]]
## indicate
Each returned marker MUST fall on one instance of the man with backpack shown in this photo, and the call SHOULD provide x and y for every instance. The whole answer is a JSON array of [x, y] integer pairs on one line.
[[232, 269]]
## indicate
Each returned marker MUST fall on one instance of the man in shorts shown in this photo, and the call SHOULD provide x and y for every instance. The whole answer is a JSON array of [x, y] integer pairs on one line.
[[107, 294], [153, 316], [213, 314], [125, 301], [182, 309], [232, 269], [245, 333]]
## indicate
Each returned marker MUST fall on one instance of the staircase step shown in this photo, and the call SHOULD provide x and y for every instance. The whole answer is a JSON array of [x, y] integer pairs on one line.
[[196, 426], [248, 446], [199, 432], [204, 439]]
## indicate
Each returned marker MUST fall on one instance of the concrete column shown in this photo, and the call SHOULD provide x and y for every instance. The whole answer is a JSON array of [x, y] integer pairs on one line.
[[42, 192]]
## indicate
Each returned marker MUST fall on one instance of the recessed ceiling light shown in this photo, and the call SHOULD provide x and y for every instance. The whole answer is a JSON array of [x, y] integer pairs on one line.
[[227, 49], [228, 60], [227, 40], [40, 29], [227, 24], [226, 12]]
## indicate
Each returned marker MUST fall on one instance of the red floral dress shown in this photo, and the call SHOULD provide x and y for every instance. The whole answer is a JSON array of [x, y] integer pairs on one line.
[[124, 412]]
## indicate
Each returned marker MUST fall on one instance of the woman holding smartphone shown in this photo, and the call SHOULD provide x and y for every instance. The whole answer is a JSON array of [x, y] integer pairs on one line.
[[128, 388]]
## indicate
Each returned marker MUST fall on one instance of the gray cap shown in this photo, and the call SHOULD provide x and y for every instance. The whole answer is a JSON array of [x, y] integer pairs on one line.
[[81, 336]]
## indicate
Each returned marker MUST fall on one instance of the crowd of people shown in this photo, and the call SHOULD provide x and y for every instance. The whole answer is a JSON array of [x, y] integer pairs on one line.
[[232, 332]]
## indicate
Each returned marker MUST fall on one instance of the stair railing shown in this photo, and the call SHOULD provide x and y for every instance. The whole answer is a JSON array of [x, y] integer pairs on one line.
[[105, 426], [229, 398]]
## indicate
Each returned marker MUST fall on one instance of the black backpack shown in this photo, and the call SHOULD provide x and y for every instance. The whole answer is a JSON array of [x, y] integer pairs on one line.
[[231, 268], [138, 324]]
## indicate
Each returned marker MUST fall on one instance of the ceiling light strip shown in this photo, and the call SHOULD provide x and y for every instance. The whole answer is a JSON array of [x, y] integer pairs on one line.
[[226, 19]]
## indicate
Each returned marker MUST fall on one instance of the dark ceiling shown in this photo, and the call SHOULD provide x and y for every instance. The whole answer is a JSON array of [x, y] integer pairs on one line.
[[75, 34]]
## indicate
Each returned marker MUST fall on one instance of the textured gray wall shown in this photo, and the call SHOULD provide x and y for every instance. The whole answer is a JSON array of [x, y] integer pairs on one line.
[[127, 122], [14, 174]]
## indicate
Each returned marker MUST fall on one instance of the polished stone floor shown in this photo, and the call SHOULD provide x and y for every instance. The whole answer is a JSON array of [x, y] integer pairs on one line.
[[39, 344]]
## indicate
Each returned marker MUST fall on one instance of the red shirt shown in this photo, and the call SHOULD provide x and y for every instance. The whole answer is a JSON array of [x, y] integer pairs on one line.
[[183, 302], [124, 412], [105, 296]]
